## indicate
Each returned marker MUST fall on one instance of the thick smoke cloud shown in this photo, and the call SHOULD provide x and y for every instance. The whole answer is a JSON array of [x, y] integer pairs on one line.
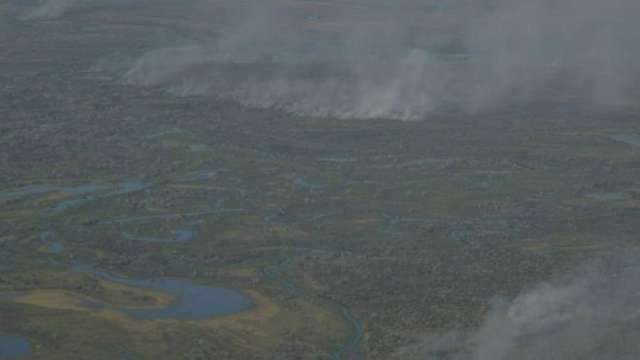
[[51, 9], [583, 50], [54, 9], [407, 59], [591, 314], [359, 70]]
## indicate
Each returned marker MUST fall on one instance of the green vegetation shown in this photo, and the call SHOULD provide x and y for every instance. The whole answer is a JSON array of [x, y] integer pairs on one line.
[[351, 237]]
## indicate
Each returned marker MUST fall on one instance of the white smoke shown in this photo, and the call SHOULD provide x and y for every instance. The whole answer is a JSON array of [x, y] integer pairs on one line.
[[591, 314], [265, 62], [583, 50], [54, 9], [580, 52], [51, 9], [403, 59]]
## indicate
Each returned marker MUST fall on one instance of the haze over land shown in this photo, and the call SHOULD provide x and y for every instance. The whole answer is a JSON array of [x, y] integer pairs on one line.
[[393, 60], [590, 314], [352, 179]]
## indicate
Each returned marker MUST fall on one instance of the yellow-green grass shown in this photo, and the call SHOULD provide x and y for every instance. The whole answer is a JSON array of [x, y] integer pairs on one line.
[[258, 330]]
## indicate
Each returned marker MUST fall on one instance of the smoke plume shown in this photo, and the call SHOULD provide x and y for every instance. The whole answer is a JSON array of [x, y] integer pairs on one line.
[[592, 314], [54, 9], [359, 70], [579, 50], [408, 59], [51, 9]]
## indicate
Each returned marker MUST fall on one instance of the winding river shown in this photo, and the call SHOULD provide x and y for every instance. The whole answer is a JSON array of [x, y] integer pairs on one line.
[[350, 348]]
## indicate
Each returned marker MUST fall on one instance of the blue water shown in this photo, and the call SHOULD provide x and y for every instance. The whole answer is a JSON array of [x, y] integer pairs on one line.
[[350, 348], [123, 188], [197, 148], [179, 235], [614, 196], [183, 235], [46, 236], [54, 247], [633, 140], [128, 187], [14, 347], [338, 159], [193, 222], [198, 176], [301, 182], [27, 191], [148, 218], [164, 132], [64, 205], [85, 191], [391, 221], [39, 190], [192, 301]]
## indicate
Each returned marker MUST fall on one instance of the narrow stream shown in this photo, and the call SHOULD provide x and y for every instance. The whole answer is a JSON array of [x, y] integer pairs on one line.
[[350, 348]]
